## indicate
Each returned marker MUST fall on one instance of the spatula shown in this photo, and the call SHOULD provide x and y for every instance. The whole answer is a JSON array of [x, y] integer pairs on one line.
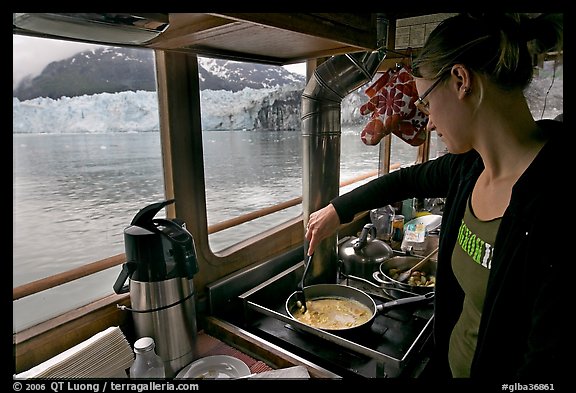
[[301, 295], [406, 275]]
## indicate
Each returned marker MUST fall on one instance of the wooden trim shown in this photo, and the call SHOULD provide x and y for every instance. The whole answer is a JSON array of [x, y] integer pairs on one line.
[[273, 209], [65, 277], [260, 349], [424, 150]]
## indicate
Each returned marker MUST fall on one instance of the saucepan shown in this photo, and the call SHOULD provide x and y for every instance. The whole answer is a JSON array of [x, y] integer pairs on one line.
[[402, 263], [340, 308]]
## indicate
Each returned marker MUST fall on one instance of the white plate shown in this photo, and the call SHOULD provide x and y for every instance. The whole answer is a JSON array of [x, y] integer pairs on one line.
[[430, 221], [215, 367]]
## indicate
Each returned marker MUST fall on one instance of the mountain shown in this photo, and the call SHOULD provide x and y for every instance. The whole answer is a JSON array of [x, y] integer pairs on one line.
[[235, 76], [105, 70], [112, 70]]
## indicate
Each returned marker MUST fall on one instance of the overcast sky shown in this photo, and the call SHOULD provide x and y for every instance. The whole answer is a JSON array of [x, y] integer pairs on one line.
[[30, 55]]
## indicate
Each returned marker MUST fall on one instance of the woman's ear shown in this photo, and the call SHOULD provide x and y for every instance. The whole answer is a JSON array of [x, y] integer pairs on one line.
[[463, 78]]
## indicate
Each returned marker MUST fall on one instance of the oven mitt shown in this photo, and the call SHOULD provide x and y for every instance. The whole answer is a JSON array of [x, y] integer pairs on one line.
[[392, 108]]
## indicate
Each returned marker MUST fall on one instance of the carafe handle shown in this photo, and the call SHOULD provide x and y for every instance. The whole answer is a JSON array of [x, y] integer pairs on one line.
[[120, 285]]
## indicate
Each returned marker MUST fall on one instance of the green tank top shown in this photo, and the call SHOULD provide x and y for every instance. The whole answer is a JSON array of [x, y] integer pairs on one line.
[[471, 260]]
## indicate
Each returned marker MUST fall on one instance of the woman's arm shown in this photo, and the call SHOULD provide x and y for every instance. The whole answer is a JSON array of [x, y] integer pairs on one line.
[[427, 180]]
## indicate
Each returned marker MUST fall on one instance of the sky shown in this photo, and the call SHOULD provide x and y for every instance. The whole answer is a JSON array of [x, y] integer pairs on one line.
[[31, 55]]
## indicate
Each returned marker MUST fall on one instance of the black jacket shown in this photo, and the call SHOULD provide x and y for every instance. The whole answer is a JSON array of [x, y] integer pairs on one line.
[[524, 330]]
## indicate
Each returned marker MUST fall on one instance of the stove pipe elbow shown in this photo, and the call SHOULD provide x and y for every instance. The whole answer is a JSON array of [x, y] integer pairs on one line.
[[321, 131]]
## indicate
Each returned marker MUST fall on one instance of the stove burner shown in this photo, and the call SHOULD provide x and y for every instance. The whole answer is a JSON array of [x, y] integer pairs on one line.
[[394, 345]]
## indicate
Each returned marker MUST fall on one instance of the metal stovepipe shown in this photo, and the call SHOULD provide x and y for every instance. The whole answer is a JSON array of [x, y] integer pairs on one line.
[[321, 131]]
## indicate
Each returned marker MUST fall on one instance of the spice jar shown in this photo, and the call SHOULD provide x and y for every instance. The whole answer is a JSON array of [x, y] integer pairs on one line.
[[398, 228]]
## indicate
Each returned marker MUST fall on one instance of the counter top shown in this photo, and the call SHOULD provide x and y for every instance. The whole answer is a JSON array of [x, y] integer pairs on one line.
[[210, 346], [223, 338]]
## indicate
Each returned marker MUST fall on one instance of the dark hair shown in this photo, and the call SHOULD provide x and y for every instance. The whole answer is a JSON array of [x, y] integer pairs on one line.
[[500, 46]]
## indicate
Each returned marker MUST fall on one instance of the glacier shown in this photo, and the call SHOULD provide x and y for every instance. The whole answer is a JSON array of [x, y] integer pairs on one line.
[[137, 111]]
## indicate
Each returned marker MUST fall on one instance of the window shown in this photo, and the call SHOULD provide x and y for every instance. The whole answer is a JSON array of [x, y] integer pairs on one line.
[[84, 162], [545, 94], [252, 145]]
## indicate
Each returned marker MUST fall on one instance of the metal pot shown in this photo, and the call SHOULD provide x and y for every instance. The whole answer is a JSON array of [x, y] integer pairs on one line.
[[404, 263], [362, 256], [343, 292]]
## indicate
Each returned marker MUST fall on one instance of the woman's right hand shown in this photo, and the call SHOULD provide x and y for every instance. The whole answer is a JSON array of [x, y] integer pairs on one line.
[[321, 224]]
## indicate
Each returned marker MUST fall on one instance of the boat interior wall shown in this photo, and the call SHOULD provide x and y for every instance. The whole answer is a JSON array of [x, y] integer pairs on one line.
[[321, 131]]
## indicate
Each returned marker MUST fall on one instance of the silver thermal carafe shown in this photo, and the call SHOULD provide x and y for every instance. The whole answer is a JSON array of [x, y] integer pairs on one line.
[[160, 263]]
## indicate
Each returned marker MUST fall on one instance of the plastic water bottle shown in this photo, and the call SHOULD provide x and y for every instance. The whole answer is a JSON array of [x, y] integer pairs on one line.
[[147, 364]]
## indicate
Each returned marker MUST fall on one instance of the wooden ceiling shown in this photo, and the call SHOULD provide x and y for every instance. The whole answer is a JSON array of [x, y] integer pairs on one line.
[[275, 38], [272, 38]]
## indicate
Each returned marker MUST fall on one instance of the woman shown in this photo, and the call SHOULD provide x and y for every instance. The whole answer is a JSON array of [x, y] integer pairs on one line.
[[499, 306]]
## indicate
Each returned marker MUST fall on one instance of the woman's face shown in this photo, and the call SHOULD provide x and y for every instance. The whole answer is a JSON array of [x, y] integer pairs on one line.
[[446, 113]]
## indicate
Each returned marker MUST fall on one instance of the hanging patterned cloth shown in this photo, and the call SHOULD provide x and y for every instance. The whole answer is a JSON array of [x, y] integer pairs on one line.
[[392, 108]]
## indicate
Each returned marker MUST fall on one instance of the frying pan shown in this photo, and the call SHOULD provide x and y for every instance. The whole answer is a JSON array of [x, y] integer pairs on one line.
[[344, 292]]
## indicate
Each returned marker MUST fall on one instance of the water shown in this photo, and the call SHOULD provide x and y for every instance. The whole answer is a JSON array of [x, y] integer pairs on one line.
[[74, 194]]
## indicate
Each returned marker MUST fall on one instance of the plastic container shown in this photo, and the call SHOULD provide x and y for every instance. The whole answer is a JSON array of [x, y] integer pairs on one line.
[[147, 364], [382, 219], [414, 237], [421, 234]]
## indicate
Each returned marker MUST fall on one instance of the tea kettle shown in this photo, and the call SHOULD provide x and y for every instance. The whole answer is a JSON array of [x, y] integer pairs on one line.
[[362, 256], [160, 263]]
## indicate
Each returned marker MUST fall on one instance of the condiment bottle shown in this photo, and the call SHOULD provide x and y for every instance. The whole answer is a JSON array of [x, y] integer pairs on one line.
[[147, 364], [397, 231], [398, 227]]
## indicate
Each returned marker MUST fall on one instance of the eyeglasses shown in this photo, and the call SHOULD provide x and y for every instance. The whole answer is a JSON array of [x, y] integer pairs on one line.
[[424, 106]]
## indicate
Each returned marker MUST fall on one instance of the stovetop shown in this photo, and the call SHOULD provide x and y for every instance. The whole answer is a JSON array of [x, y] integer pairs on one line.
[[395, 344]]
